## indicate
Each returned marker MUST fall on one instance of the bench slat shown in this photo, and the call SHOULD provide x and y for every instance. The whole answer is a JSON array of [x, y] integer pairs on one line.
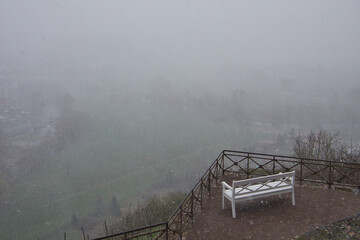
[[254, 189]]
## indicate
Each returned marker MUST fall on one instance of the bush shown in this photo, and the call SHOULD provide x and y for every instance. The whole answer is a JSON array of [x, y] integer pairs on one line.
[[324, 145], [153, 210]]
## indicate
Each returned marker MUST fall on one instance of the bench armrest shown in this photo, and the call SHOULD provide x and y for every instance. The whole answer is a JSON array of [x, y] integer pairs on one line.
[[226, 186]]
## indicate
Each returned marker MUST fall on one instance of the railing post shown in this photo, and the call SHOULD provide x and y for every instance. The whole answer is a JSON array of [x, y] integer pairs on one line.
[[330, 182], [248, 166], [192, 205], [201, 192], [216, 173], [301, 171], [274, 165], [181, 220], [209, 186], [223, 163], [167, 231]]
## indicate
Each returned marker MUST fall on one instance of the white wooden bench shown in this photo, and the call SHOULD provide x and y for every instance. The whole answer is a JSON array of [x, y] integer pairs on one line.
[[257, 188]]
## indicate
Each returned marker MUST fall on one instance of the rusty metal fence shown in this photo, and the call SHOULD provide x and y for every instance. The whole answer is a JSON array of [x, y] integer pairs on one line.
[[246, 165], [341, 173]]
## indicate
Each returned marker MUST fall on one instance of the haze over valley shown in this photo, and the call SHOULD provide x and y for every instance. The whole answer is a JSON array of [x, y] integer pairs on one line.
[[104, 100]]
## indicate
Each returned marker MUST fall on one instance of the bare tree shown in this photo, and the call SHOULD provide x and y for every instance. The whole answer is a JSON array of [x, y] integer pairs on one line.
[[320, 145]]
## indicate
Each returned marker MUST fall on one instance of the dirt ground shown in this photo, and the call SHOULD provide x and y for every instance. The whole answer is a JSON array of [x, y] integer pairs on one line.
[[273, 217], [348, 228]]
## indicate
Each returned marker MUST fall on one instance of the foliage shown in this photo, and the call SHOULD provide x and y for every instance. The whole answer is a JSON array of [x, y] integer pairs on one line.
[[153, 210]]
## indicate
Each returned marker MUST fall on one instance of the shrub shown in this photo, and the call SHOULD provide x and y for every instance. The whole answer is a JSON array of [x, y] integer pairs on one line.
[[153, 210]]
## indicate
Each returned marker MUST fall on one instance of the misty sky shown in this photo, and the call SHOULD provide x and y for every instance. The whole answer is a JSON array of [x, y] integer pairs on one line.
[[164, 36]]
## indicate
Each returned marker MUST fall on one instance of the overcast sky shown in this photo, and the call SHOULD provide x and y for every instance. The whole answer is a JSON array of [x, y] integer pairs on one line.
[[171, 35]]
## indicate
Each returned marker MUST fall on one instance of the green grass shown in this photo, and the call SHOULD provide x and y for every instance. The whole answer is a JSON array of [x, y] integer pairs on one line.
[[125, 154]]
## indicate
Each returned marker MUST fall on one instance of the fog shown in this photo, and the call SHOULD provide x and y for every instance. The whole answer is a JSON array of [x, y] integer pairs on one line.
[[96, 95], [152, 37]]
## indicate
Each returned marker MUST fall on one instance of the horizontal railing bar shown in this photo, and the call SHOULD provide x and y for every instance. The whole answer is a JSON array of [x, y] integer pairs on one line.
[[267, 159], [135, 230], [145, 234]]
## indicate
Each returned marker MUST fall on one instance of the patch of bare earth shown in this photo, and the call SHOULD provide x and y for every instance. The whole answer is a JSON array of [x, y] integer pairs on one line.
[[273, 217]]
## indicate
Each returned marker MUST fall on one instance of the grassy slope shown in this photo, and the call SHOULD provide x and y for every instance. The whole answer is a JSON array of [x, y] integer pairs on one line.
[[124, 155]]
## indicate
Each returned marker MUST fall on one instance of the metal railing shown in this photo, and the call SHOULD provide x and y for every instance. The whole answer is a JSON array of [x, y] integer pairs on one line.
[[327, 172], [148, 232], [245, 164]]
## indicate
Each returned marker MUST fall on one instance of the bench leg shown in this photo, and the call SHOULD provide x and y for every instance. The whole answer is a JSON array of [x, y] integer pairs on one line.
[[233, 209], [293, 198], [223, 202]]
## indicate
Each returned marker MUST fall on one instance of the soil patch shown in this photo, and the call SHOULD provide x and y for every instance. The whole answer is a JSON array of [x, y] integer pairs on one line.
[[348, 228]]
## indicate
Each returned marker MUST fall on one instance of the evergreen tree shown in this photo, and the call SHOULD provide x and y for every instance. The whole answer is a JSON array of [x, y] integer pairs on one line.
[[74, 220], [114, 207]]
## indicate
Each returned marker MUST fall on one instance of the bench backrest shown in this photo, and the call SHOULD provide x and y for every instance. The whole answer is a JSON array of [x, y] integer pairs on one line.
[[262, 183]]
